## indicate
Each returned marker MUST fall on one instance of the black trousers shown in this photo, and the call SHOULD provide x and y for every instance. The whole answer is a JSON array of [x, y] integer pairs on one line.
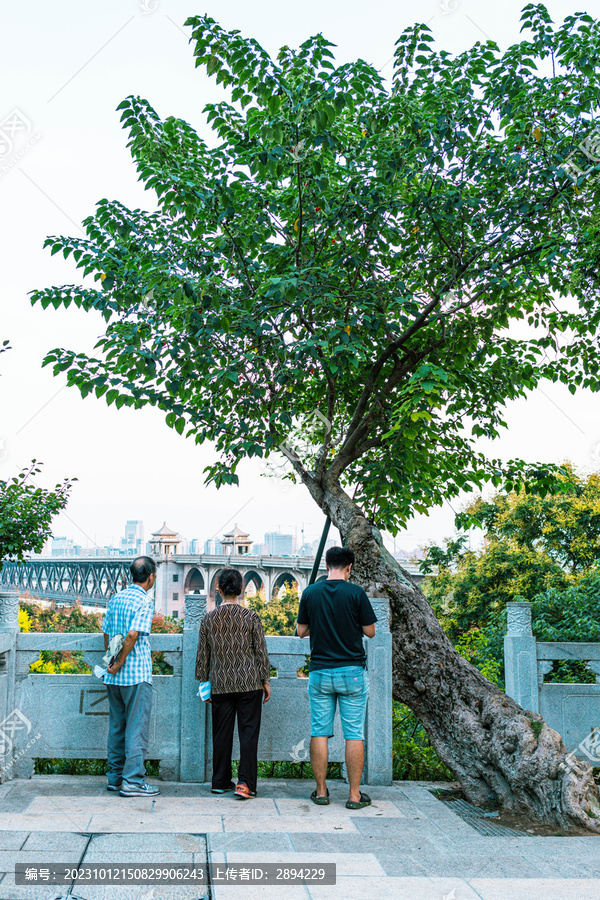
[[248, 707]]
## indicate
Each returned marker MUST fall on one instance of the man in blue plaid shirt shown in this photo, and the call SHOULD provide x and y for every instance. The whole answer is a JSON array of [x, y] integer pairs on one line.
[[129, 682]]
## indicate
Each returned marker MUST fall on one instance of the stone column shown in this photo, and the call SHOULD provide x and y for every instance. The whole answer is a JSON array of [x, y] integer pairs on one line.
[[193, 709], [520, 657], [378, 730], [9, 628]]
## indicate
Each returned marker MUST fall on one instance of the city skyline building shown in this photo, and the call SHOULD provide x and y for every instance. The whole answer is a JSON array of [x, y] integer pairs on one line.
[[279, 544], [133, 542]]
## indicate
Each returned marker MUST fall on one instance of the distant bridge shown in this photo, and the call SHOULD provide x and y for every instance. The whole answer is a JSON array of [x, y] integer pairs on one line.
[[93, 581]]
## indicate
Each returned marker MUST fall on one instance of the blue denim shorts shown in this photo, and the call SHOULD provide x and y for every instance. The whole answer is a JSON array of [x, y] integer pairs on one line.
[[348, 686]]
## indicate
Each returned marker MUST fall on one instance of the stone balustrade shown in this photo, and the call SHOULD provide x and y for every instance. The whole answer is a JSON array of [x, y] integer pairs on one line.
[[66, 716], [571, 709]]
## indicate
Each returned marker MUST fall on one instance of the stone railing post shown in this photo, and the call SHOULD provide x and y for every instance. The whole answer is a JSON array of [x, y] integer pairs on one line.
[[520, 657], [193, 710], [9, 628], [378, 731]]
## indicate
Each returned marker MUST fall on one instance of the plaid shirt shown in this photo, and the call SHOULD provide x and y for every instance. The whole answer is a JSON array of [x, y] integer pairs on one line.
[[131, 610]]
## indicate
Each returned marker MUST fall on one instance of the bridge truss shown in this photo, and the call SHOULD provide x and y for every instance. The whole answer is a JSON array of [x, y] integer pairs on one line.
[[92, 581]]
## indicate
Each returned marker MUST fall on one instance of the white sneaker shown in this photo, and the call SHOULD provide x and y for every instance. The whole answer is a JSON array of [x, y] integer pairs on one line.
[[138, 790]]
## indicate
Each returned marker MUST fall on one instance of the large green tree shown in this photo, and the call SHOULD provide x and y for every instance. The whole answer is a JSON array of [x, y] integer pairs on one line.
[[395, 259]]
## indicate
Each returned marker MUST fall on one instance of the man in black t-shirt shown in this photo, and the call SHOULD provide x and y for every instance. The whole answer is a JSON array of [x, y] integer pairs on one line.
[[336, 615]]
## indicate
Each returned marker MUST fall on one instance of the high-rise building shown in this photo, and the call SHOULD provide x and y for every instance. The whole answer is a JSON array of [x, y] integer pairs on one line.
[[279, 544], [133, 544], [213, 547], [62, 546]]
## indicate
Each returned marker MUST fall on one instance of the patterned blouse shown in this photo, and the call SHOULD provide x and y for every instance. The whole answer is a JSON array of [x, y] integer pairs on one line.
[[232, 651]]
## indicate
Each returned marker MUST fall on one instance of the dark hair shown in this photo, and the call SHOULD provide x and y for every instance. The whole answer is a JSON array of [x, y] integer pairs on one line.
[[339, 557], [142, 568], [230, 583]]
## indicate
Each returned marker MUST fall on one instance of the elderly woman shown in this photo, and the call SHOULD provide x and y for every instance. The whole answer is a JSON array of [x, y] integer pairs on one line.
[[232, 654]]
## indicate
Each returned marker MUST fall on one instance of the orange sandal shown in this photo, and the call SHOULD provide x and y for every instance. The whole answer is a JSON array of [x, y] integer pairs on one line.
[[243, 791]]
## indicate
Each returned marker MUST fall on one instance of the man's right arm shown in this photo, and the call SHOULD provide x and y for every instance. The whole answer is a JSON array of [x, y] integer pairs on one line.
[[302, 627], [366, 613]]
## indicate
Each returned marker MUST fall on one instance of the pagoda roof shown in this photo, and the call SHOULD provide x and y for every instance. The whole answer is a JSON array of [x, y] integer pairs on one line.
[[165, 531], [237, 532]]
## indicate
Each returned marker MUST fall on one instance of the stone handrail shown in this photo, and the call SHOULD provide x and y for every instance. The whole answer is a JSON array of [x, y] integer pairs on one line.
[[571, 709], [66, 715]]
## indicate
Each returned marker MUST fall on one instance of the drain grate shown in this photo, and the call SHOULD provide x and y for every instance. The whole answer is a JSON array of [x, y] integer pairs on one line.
[[478, 820]]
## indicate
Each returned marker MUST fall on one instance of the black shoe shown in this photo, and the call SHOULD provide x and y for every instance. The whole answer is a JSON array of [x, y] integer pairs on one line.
[[225, 790]]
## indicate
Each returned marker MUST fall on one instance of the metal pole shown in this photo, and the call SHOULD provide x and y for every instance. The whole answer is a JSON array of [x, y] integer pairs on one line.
[[317, 562]]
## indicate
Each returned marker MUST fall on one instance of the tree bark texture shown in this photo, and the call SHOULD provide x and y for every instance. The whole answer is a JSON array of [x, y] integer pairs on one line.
[[479, 732]]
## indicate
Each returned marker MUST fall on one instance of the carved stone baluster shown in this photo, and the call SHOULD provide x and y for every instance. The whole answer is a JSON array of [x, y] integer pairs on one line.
[[520, 657], [543, 667], [594, 666]]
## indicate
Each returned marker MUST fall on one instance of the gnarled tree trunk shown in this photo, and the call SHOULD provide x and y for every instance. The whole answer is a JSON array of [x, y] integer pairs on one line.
[[481, 734]]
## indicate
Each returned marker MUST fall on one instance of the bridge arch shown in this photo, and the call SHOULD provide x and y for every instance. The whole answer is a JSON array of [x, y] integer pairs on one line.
[[253, 583], [282, 579], [194, 581], [213, 593]]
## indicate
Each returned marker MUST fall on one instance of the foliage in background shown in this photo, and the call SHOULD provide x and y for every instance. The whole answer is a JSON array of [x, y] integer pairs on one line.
[[26, 513], [38, 618], [571, 614], [279, 615], [475, 586], [26, 510], [533, 544], [163, 625], [414, 759], [566, 526]]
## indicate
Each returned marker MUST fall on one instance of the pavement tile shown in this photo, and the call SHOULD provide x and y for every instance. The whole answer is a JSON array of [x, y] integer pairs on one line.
[[215, 806], [397, 889], [22, 822], [143, 857], [10, 891], [8, 858], [140, 892], [252, 842], [56, 841], [404, 865], [347, 864], [260, 892], [170, 824], [357, 843], [289, 824], [299, 807], [12, 840], [79, 806], [536, 889], [398, 827], [465, 866], [148, 843]]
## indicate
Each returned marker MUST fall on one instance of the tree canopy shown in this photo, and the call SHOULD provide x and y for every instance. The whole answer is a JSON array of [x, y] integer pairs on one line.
[[397, 258]]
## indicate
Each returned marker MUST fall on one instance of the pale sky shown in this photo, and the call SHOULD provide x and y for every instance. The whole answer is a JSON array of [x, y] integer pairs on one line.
[[65, 67]]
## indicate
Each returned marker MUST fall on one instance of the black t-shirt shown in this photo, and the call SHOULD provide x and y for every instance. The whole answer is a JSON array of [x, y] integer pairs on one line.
[[335, 612]]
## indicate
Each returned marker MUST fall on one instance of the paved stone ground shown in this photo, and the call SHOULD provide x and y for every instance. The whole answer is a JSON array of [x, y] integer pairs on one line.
[[407, 845]]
